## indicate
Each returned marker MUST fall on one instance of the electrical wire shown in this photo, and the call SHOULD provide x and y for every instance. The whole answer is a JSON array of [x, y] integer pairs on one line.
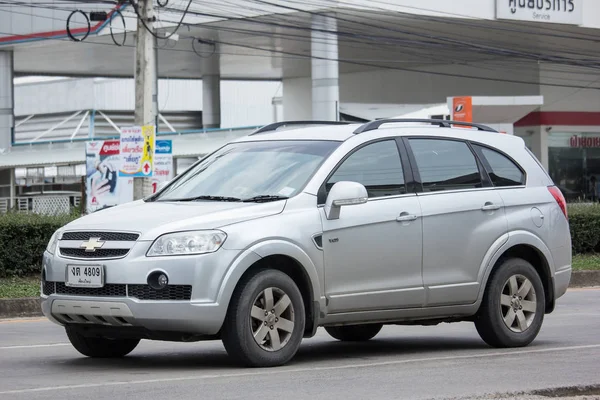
[[112, 35], [380, 39], [299, 56], [135, 8], [211, 43], [162, 4], [70, 34]]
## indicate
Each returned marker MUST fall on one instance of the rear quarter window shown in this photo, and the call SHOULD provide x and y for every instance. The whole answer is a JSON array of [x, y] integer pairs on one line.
[[501, 169]]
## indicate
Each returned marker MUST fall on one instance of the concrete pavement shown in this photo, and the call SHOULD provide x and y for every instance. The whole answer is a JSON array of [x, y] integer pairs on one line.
[[445, 361]]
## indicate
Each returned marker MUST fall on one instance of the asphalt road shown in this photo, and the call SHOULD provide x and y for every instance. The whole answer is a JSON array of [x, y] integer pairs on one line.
[[445, 361]]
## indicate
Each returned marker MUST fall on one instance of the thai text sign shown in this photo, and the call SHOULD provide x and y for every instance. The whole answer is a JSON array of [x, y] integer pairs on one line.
[[549, 11]]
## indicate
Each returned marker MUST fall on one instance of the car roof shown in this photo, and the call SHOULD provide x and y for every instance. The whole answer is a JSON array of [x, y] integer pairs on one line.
[[342, 133]]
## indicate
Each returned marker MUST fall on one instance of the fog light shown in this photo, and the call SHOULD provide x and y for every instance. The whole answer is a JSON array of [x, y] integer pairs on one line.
[[162, 281], [158, 280]]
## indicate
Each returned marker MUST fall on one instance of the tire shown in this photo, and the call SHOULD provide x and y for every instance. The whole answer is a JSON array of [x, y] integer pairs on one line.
[[523, 309], [101, 347], [354, 333], [246, 317]]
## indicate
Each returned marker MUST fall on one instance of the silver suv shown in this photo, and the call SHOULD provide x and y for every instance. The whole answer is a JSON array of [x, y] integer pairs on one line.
[[308, 224]]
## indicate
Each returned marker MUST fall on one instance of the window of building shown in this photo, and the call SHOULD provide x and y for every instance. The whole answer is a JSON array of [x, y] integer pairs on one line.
[[445, 165], [574, 164], [377, 166], [503, 172]]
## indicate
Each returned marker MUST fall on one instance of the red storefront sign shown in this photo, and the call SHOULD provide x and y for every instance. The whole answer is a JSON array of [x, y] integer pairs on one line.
[[578, 141]]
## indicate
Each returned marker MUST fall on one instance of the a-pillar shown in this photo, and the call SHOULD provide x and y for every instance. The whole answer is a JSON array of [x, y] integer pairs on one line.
[[6, 100], [211, 85], [325, 73]]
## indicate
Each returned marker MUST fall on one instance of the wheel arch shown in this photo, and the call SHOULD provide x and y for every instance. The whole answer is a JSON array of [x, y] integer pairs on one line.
[[525, 245], [283, 256]]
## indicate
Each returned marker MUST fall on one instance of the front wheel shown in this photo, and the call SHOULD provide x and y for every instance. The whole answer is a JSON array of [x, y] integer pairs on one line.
[[265, 321], [513, 306], [101, 347], [354, 333]]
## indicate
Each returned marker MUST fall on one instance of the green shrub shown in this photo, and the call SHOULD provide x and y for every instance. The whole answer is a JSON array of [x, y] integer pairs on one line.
[[23, 239], [584, 220]]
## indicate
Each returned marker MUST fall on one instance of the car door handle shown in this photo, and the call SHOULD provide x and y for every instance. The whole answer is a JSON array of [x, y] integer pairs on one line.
[[490, 207], [405, 217]]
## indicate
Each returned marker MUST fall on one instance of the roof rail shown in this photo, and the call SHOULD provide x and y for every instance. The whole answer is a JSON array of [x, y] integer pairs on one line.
[[274, 126], [373, 125]]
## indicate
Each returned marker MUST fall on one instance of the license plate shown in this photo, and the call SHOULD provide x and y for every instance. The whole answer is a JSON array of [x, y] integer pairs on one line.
[[85, 276]]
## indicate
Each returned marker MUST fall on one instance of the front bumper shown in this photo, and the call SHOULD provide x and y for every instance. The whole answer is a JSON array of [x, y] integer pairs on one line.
[[184, 317], [191, 306]]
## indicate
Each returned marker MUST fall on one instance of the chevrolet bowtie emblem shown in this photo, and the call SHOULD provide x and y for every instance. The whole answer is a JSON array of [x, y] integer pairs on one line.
[[92, 244]]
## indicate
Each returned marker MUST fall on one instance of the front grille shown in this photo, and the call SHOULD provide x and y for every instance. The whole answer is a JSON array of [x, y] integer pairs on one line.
[[104, 236], [141, 292], [99, 253], [110, 290], [174, 292], [47, 288]]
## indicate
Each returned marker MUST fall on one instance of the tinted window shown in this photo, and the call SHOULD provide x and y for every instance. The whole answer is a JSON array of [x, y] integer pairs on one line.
[[377, 166], [445, 165], [503, 171]]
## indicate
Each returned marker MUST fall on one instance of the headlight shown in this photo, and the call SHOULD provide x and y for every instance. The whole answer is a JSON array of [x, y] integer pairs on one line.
[[186, 243], [53, 243]]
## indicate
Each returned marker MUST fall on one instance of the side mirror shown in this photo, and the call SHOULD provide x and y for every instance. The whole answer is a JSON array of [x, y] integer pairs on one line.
[[344, 194]]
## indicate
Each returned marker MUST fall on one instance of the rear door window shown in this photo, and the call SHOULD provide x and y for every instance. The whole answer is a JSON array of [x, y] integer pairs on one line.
[[445, 164]]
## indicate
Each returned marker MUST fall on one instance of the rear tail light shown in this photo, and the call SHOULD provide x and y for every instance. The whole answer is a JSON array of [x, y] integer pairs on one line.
[[560, 199]]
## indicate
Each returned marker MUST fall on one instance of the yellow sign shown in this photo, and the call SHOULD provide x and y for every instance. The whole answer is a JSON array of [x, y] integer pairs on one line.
[[147, 161]]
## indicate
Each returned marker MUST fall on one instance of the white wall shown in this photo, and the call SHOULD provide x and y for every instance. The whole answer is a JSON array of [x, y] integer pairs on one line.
[[243, 103], [297, 99]]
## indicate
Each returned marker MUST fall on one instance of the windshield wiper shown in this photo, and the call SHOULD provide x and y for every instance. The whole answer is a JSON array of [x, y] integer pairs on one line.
[[205, 197], [264, 198]]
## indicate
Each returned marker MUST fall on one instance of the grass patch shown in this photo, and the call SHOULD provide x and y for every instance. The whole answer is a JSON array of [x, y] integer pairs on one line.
[[11, 288], [586, 262]]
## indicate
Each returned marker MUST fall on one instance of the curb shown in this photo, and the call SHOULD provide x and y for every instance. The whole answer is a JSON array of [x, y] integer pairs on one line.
[[584, 279], [20, 308], [30, 306]]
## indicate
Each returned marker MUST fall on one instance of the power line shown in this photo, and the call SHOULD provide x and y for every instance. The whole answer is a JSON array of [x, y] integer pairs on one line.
[[370, 64]]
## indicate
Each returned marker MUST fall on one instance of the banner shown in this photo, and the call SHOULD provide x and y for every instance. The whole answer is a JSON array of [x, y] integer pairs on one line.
[[104, 188], [137, 151], [163, 163], [462, 109]]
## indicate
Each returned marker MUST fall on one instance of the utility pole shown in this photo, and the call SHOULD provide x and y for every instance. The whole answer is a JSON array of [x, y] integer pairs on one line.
[[146, 109]]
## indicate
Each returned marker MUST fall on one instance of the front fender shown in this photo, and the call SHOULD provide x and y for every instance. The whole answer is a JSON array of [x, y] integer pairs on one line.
[[264, 249], [513, 238]]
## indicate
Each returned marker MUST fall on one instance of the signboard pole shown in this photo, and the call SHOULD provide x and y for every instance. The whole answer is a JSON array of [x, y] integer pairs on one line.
[[145, 84]]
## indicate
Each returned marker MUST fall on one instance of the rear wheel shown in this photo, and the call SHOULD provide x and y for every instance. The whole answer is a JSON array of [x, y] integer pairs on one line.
[[512, 310], [265, 321], [354, 333], [101, 347]]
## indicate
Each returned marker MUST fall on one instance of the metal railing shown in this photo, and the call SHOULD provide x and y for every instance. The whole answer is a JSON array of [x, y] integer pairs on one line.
[[42, 204]]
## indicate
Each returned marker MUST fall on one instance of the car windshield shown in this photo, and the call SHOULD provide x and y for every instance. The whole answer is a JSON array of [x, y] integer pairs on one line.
[[251, 171]]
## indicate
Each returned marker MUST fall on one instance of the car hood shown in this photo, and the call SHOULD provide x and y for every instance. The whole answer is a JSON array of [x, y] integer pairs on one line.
[[152, 219]]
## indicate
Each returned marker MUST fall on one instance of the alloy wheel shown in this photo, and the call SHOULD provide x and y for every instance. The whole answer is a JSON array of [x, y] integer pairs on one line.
[[272, 319], [518, 303]]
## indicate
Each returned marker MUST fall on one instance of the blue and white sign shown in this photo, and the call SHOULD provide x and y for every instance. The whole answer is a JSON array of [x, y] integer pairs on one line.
[[163, 163]]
